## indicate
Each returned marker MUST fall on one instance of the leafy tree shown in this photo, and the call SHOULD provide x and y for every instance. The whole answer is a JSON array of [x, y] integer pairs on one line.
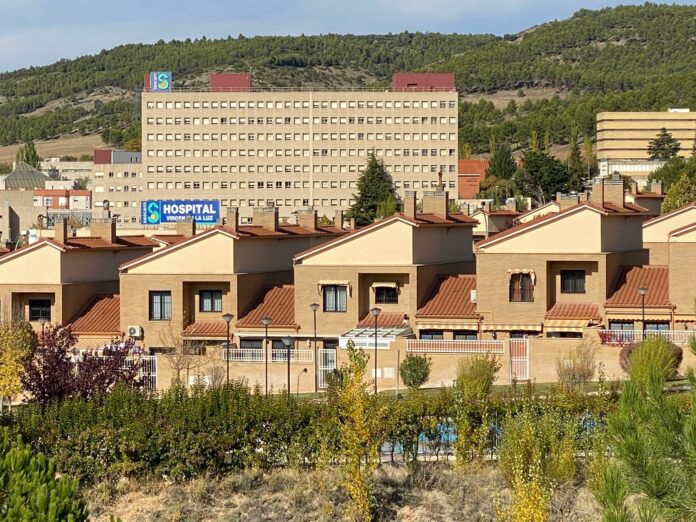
[[502, 164], [664, 146], [680, 193], [589, 157], [29, 488], [465, 151], [576, 169], [387, 207], [541, 176], [498, 189], [16, 343], [27, 153], [671, 171], [534, 141], [81, 184], [415, 370], [5, 168], [374, 186], [133, 145]]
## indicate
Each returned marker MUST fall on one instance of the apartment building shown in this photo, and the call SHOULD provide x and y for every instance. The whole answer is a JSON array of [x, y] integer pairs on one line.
[[53, 280], [117, 183], [56, 168], [294, 148], [552, 275]]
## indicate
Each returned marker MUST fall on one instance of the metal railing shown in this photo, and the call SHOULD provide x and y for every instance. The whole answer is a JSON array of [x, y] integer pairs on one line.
[[452, 346], [243, 355], [327, 365], [256, 355], [281, 355], [147, 372], [619, 337]]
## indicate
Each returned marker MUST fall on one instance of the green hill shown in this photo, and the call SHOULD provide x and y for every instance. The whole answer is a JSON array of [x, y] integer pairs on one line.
[[629, 57]]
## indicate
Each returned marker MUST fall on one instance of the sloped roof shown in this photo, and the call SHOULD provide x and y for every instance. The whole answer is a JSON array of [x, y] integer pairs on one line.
[[24, 177], [206, 328], [276, 302], [574, 311], [384, 320], [668, 215], [451, 297], [100, 317], [96, 242], [631, 278]]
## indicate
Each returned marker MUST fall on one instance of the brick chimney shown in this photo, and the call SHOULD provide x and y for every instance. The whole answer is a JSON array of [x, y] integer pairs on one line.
[[410, 204], [436, 202], [266, 217], [187, 227], [608, 190], [566, 201], [232, 219], [338, 218], [104, 228], [307, 218], [61, 231], [656, 187], [511, 204]]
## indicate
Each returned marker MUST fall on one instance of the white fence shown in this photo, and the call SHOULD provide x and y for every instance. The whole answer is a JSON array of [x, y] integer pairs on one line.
[[257, 355], [519, 359], [327, 364], [147, 372], [452, 346], [618, 337]]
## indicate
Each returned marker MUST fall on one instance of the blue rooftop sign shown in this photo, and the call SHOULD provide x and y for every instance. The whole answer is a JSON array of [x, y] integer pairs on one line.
[[154, 211]]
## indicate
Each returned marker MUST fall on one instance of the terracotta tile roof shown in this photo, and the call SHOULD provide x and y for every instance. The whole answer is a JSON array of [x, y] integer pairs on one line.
[[631, 278], [276, 302], [101, 316], [451, 297], [170, 239], [245, 231], [384, 320], [574, 311], [206, 328], [101, 243]]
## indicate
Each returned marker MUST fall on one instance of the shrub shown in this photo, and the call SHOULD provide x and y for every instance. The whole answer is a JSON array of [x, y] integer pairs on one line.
[[29, 489], [655, 352], [576, 368], [475, 376], [415, 371]]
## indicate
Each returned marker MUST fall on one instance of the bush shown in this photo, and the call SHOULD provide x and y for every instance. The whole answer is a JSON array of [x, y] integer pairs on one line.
[[576, 368], [475, 376], [415, 371], [29, 489], [655, 352]]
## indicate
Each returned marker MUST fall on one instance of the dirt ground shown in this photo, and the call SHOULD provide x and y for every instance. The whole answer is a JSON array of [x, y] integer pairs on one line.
[[71, 144], [439, 493]]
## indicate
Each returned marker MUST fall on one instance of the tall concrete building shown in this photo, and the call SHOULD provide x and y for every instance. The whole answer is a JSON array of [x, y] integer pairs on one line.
[[236, 146], [623, 139]]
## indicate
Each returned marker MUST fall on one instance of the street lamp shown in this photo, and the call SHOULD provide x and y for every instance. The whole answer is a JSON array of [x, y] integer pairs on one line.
[[304, 370], [265, 321], [42, 322], [228, 318], [642, 291], [375, 313], [314, 307], [287, 341]]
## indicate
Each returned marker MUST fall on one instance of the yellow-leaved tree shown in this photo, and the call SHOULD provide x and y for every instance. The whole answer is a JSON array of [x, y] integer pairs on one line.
[[16, 342]]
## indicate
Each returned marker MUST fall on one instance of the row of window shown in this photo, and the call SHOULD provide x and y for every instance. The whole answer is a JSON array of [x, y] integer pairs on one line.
[[322, 120], [241, 185], [351, 136], [298, 153], [291, 168], [521, 286], [160, 303], [305, 104]]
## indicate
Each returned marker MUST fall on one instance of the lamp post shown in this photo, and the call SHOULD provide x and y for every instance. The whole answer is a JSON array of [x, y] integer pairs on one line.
[[304, 370], [265, 321], [314, 307], [375, 313], [642, 291], [287, 341], [42, 322], [228, 318]]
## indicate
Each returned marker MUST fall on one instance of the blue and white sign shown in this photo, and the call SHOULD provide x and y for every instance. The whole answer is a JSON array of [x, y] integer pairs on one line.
[[154, 211], [161, 81]]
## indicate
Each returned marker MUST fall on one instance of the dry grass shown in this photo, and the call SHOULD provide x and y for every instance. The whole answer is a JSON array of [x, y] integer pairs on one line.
[[439, 492], [70, 144]]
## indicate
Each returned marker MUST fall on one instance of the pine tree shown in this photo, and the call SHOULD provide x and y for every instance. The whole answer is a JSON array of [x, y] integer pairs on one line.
[[663, 147], [491, 144], [589, 156], [547, 142], [681, 193], [374, 186], [502, 164], [466, 151], [27, 153]]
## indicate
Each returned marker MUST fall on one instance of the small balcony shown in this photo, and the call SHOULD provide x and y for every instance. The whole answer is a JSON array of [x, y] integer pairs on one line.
[[621, 337], [453, 346]]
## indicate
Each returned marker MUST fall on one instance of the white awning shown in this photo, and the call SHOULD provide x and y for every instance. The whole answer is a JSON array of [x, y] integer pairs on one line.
[[385, 285], [565, 325], [365, 337], [529, 271]]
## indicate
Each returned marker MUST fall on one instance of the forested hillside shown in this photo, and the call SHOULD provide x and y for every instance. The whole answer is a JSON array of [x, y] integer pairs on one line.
[[631, 57]]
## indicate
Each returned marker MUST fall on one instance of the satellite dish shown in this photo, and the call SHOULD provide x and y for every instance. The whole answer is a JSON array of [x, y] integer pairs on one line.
[[106, 204]]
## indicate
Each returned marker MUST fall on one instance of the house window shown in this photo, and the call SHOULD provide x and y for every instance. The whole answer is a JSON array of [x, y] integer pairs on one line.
[[39, 309], [656, 326], [210, 301], [386, 295], [431, 335], [251, 344], [160, 306], [572, 281], [621, 325], [521, 288], [335, 298], [465, 335]]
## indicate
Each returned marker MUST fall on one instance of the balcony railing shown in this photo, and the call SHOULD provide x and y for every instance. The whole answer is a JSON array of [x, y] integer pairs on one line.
[[256, 355], [620, 337], [452, 346]]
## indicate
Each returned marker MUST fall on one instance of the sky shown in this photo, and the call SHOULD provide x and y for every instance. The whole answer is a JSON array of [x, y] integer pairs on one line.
[[39, 32]]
